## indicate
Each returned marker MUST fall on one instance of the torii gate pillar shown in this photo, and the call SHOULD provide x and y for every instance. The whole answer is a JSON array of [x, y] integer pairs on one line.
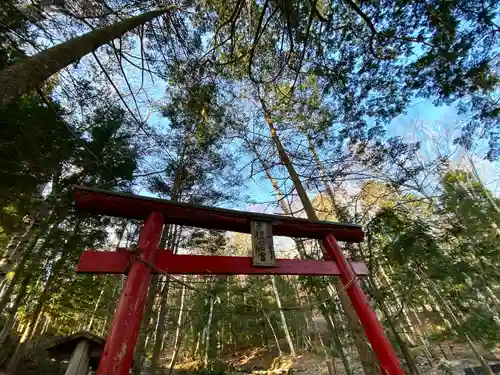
[[122, 336]]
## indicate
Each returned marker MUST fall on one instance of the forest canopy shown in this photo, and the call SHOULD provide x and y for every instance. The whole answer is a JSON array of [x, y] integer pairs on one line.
[[382, 113]]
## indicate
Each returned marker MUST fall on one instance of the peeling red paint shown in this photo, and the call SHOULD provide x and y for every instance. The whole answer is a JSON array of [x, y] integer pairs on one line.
[[92, 261], [120, 343], [137, 207]]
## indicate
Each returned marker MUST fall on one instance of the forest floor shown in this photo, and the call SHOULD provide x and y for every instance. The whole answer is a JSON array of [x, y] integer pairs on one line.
[[261, 360], [455, 356]]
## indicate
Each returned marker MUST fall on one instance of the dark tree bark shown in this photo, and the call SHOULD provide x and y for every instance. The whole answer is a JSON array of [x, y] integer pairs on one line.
[[31, 72], [367, 357], [50, 286]]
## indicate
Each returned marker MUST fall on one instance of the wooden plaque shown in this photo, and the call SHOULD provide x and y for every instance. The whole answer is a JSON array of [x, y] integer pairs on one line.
[[262, 244]]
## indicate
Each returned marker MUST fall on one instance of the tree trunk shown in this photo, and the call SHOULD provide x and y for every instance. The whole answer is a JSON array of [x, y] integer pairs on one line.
[[96, 307], [265, 332], [387, 283], [49, 287], [207, 332], [15, 238], [455, 320], [336, 209], [9, 288], [35, 334], [421, 336], [46, 325], [197, 346], [306, 317], [32, 71], [13, 310], [150, 337], [178, 329], [140, 348], [330, 364], [283, 318], [24, 342], [274, 333], [109, 306], [336, 337], [367, 357], [20, 239], [402, 345], [283, 203], [320, 338], [15, 253], [34, 250], [160, 327]]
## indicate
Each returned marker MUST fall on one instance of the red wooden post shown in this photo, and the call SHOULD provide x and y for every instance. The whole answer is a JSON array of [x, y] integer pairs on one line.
[[380, 344], [122, 336]]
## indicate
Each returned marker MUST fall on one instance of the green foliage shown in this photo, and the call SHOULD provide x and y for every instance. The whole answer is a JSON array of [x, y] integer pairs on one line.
[[28, 157], [198, 127], [482, 326], [452, 246]]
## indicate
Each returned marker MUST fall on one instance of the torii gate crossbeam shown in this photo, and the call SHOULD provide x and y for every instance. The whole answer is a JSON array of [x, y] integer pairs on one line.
[[122, 336]]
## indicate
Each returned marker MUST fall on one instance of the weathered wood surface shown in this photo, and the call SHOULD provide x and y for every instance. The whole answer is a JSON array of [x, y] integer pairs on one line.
[[116, 262], [96, 201]]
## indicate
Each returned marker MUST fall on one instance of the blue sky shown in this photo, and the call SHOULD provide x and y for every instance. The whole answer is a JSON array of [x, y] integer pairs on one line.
[[434, 126]]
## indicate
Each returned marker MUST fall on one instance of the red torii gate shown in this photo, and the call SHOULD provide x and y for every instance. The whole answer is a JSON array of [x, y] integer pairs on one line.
[[122, 336]]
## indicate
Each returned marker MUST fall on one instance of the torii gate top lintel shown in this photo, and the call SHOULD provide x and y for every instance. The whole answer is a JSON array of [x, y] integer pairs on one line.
[[103, 202]]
